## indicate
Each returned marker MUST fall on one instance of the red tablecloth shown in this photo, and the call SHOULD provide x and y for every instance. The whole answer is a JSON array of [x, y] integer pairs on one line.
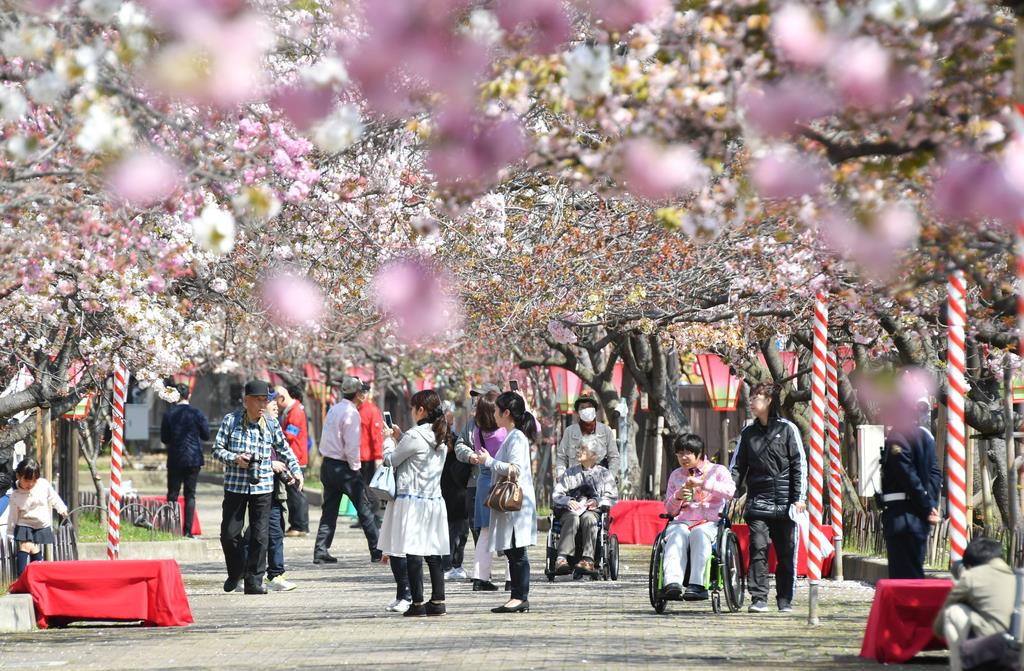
[[638, 523], [196, 529], [69, 591], [900, 623]]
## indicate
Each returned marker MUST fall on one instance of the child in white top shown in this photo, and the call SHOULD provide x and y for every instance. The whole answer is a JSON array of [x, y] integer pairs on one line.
[[32, 501]]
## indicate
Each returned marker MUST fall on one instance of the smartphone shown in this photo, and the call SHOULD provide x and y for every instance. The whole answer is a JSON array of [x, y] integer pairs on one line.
[[387, 419], [513, 385]]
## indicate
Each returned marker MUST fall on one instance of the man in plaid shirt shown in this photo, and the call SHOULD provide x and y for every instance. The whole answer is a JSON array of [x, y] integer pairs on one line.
[[244, 444]]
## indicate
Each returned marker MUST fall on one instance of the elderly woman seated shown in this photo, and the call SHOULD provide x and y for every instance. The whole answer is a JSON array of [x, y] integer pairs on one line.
[[582, 490], [697, 492]]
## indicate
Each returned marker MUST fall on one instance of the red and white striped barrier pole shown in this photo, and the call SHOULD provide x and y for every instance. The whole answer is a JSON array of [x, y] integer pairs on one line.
[[116, 452], [835, 464], [816, 459], [956, 443]]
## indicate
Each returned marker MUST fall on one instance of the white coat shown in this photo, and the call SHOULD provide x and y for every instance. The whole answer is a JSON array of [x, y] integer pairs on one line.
[[416, 523], [515, 451]]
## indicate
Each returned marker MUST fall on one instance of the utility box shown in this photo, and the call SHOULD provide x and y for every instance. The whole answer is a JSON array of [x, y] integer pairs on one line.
[[870, 441]]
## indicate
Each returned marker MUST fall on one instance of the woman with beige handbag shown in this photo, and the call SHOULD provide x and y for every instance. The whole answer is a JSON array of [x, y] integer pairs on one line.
[[513, 505]]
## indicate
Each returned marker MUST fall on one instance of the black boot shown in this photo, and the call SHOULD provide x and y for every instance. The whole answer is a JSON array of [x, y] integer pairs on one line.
[[484, 586]]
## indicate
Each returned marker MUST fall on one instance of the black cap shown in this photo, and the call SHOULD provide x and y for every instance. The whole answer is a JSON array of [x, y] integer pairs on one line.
[[259, 388], [585, 400], [366, 386]]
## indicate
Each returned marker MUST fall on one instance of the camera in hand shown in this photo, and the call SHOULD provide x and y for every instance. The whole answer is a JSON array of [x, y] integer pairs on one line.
[[254, 468]]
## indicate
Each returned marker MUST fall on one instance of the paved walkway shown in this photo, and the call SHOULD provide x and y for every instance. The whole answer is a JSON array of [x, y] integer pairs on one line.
[[336, 619]]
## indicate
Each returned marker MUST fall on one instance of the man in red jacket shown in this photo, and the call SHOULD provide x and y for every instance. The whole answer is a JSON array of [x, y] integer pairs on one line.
[[371, 443], [296, 432]]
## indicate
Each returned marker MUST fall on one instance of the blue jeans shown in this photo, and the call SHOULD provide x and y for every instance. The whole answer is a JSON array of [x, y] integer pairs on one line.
[[275, 547]]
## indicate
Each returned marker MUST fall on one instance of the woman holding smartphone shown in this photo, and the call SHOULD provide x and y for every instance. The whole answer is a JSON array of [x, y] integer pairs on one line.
[[511, 533]]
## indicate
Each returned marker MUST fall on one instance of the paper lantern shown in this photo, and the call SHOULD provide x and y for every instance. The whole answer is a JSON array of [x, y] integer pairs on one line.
[[567, 386], [617, 376], [790, 362], [722, 387]]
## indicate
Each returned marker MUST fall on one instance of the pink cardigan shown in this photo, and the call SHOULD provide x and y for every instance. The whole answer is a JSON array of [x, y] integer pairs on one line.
[[708, 499]]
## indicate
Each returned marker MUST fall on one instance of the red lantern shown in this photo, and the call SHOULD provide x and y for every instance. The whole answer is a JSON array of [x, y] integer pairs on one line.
[[617, 376], [567, 386], [790, 362], [364, 373], [722, 386], [425, 382]]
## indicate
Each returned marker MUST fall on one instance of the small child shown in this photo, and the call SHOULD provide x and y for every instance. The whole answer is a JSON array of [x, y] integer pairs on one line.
[[31, 516]]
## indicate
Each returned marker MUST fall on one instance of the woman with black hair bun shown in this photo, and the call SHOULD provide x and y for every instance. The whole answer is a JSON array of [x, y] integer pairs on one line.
[[415, 525], [511, 533]]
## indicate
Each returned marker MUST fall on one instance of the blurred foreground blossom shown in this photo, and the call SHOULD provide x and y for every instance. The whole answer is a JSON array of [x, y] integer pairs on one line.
[[293, 301], [214, 229], [865, 75], [799, 36], [561, 333], [12, 104], [418, 298], [621, 15], [588, 72], [977, 187], [780, 108], [898, 396], [472, 151], [787, 174], [339, 131], [144, 178], [104, 130], [875, 246], [542, 24], [654, 172]]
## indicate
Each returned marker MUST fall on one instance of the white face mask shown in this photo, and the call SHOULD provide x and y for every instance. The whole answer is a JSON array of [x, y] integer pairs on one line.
[[588, 414]]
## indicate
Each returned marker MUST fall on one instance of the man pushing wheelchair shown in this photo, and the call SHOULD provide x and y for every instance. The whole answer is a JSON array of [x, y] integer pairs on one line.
[[582, 494]]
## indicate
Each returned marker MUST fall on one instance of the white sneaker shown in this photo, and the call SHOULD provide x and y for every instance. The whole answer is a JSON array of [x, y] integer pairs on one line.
[[279, 584], [399, 606], [391, 606], [458, 574]]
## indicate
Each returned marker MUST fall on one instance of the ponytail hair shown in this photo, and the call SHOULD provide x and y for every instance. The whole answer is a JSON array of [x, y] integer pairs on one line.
[[429, 401], [514, 404]]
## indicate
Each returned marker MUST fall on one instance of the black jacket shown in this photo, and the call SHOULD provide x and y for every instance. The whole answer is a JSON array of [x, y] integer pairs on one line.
[[909, 466], [454, 480], [7, 467], [182, 430], [770, 461]]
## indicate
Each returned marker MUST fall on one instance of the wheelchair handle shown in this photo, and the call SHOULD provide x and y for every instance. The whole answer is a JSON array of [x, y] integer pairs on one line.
[[666, 516]]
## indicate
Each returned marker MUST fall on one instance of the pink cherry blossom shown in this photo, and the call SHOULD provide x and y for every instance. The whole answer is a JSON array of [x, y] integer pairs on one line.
[[543, 24], [303, 105], [799, 37], [865, 76], [418, 298], [782, 175], [780, 108], [976, 187], [145, 178], [471, 150], [654, 172], [621, 15], [293, 301], [561, 333]]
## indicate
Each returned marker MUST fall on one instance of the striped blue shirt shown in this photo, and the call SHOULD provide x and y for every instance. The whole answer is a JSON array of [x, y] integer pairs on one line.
[[238, 435]]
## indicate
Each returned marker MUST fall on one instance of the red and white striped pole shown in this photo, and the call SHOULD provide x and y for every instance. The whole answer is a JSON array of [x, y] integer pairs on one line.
[[956, 443], [817, 453], [116, 452], [835, 463]]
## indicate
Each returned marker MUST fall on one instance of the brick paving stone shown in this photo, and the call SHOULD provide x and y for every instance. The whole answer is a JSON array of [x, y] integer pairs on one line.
[[335, 619]]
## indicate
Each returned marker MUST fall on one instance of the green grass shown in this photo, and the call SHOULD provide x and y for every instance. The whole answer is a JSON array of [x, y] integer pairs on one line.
[[90, 531]]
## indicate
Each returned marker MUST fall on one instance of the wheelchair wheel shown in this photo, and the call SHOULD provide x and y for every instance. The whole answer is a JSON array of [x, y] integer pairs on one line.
[[654, 574], [613, 557], [716, 602], [733, 576], [551, 554]]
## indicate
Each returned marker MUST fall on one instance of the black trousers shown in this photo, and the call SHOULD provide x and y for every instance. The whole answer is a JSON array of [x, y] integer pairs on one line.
[[338, 479], [176, 477], [906, 537], [414, 563], [245, 558], [519, 572], [782, 534], [298, 508], [367, 469], [400, 570], [458, 534]]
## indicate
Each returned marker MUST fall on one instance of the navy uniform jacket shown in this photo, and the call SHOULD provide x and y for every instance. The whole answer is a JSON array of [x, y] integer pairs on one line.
[[910, 467]]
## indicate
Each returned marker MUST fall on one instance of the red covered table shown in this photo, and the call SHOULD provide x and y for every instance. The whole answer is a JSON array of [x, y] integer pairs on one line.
[[156, 500], [900, 623], [68, 591]]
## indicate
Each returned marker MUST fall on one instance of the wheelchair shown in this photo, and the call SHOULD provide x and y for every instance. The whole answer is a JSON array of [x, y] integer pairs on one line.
[[724, 571], [606, 561]]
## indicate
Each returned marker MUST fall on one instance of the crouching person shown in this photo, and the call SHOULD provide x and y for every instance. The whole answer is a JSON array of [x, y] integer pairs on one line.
[[582, 491], [697, 492], [981, 603]]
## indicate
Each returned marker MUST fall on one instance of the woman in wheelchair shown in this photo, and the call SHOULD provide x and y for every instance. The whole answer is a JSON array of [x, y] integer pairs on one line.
[[697, 491], [581, 492]]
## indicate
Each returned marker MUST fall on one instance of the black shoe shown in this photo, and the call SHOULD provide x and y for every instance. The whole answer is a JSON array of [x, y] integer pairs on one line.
[[357, 525], [416, 610], [231, 584], [672, 591], [376, 556], [484, 586], [324, 558], [508, 585], [695, 593], [784, 606], [255, 588], [523, 607], [434, 609]]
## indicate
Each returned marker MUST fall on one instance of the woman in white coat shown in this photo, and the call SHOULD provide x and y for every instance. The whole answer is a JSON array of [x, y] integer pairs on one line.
[[513, 532], [416, 524]]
